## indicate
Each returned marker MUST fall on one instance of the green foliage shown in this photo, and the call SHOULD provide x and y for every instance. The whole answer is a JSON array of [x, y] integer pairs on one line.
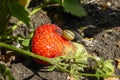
[[72, 6], [72, 64], [5, 73], [105, 67], [19, 12], [26, 42], [12, 8], [5, 16]]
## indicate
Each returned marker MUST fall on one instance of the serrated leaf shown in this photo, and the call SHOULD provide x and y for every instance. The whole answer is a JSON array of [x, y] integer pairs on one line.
[[26, 42], [74, 7], [19, 12]]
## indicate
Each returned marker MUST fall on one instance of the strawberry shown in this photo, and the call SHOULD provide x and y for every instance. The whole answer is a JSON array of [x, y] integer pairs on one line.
[[47, 41]]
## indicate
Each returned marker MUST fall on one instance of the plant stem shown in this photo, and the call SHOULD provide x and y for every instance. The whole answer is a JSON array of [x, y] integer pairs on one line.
[[83, 74], [51, 61], [95, 75], [35, 11]]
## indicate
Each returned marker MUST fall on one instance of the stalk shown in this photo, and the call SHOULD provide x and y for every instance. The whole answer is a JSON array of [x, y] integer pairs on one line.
[[51, 61], [96, 75]]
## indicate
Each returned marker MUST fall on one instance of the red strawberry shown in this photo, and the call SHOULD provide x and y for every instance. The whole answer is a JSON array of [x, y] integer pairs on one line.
[[48, 42]]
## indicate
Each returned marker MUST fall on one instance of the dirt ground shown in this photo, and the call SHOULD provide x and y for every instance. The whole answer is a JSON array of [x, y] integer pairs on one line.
[[99, 31]]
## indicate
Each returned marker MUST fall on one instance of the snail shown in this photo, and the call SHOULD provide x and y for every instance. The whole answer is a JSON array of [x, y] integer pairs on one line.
[[67, 34]]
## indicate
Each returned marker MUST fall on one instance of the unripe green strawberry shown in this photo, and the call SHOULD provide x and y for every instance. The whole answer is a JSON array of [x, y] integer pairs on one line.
[[47, 41]]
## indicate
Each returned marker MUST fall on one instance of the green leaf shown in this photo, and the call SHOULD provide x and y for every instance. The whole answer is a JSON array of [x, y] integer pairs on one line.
[[74, 7], [19, 12], [108, 67], [26, 42]]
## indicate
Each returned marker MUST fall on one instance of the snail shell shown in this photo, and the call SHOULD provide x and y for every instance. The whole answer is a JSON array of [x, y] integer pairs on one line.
[[67, 34]]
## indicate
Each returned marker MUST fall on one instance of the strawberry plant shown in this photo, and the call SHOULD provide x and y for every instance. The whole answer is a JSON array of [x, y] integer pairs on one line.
[[48, 44], [73, 64], [70, 6], [5, 73], [12, 8]]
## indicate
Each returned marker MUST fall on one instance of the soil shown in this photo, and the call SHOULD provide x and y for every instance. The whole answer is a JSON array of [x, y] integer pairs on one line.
[[99, 32]]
